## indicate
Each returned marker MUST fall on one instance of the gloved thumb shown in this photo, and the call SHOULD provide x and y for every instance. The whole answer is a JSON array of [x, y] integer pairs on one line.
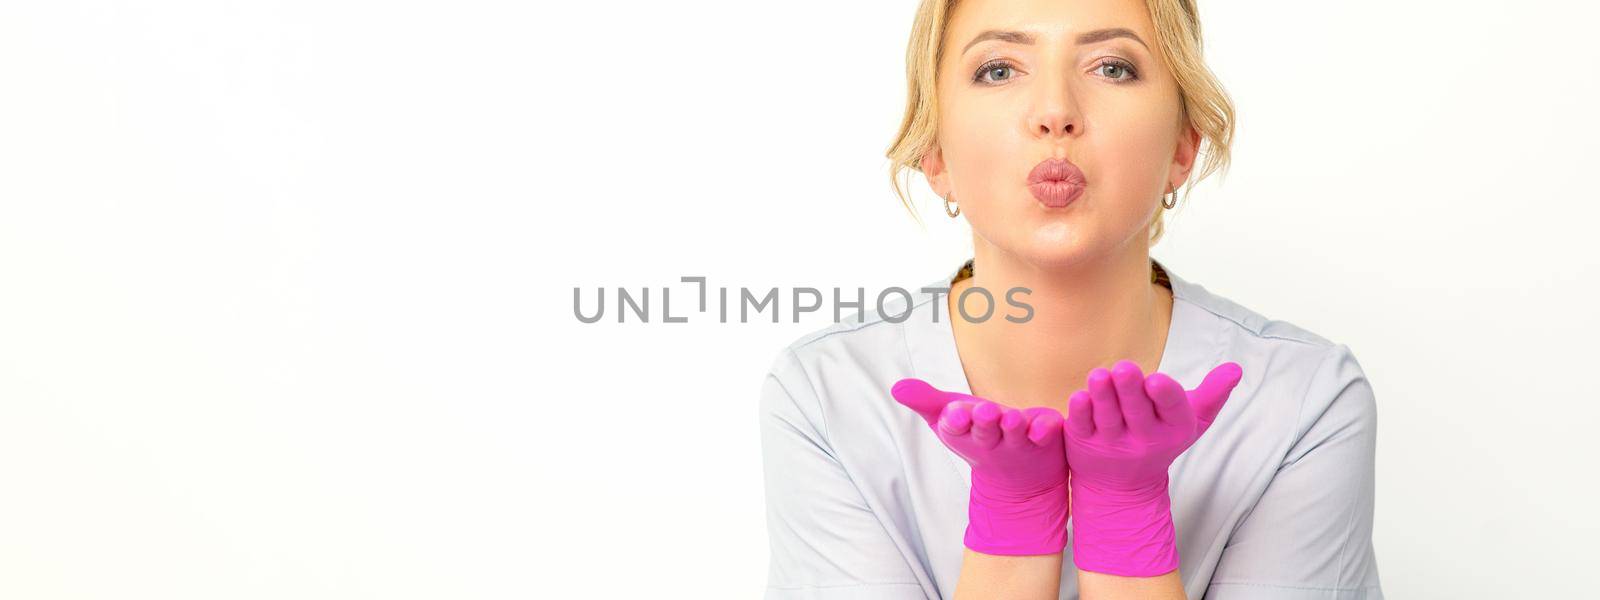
[[1213, 392], [921, 397]]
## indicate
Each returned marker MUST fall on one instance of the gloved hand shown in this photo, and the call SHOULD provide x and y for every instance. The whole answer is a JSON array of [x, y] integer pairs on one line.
[[1121, 437], [1018, 502]]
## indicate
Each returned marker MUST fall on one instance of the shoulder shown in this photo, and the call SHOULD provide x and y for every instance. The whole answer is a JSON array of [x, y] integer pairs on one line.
[[843, 371], [1240, 329], [868, 339], [1291, 371], [1244, 321]]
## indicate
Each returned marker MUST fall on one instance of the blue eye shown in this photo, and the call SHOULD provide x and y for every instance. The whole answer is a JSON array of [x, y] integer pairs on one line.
[[1120, 66], [991, 67]]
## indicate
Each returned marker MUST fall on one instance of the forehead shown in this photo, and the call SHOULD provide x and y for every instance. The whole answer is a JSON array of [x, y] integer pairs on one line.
[[1048, 19]]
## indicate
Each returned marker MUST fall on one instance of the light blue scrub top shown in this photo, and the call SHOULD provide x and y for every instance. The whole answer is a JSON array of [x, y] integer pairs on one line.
[[1274, 502]]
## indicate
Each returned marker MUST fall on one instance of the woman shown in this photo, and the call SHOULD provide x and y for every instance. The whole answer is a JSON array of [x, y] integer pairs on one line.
[[1058, 129]]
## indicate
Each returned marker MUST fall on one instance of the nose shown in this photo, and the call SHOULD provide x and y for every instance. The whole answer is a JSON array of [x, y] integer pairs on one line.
[[1055, 114]]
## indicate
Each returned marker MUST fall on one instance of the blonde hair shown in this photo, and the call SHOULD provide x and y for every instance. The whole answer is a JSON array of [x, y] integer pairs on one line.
[[1206, 105]]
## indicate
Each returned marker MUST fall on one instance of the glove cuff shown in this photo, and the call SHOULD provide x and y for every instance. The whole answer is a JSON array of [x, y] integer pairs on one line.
[[1008, 523], [1123, 531]]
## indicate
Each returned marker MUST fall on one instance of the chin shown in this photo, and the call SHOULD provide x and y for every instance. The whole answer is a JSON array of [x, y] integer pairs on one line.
[[1068, 242], [1049, 247]]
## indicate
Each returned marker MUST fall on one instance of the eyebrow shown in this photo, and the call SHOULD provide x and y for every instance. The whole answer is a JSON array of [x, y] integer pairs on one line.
[[1088, 37]]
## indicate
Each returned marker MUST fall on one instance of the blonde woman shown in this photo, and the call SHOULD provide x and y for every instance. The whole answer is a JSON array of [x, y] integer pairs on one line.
[[1061, 131]]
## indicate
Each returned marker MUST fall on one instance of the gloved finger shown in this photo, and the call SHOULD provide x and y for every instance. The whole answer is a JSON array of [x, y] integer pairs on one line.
[[921, 397], [1214, 391], [1080, 415], [956, 418], [1044, 425], [1171, 401], [986, 424], [1013, 427], [1137, 410], [1107, 410]]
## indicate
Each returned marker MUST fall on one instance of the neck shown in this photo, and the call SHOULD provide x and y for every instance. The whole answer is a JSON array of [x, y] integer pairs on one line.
[[1086, 314]]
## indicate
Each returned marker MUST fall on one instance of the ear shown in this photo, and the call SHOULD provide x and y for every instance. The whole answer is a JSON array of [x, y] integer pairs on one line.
[[933, 169], [1183, 159]]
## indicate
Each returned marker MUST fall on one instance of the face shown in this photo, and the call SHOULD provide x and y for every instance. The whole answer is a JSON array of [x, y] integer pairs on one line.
[[1053, 89]]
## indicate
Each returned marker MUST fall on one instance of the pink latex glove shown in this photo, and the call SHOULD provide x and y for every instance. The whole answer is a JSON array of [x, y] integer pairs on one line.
[[1122, 435], [1018, 502]]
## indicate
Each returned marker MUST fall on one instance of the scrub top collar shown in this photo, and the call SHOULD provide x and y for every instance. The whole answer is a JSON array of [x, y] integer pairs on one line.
[[935, 359]]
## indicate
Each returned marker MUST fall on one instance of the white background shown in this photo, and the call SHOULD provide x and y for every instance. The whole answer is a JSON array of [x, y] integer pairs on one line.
[[286, 288]]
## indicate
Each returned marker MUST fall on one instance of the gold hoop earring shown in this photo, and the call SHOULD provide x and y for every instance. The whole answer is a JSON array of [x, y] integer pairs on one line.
[[947, 210], [1174, 200]]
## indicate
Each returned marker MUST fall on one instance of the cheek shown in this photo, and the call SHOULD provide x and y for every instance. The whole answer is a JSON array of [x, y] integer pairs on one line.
[[1132, 160], [1137, 141], [982, 147], [979, 156]]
